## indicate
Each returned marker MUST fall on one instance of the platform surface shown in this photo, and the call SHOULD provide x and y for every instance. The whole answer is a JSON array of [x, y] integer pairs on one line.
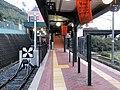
[[59, 74]]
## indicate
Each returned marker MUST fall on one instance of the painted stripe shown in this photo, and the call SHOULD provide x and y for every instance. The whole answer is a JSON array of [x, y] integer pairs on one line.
[[58, 81], [107, 77]]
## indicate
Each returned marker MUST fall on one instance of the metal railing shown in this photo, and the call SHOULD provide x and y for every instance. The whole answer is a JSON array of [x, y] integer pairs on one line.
[[42, 51], [9, 25]]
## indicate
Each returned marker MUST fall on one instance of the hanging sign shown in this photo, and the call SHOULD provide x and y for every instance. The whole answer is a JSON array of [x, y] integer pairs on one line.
[[84, 11], [64, 29]]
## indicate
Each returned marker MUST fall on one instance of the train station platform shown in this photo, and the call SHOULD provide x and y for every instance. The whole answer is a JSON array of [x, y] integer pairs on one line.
[[57, 73]]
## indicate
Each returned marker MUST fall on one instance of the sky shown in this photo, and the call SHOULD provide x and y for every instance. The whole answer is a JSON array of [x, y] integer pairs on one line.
[[105, 21], [26, 4], [102, 22]]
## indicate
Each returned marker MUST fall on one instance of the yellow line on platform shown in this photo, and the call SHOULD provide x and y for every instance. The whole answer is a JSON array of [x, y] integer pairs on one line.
[[58, 79], [107, 77]]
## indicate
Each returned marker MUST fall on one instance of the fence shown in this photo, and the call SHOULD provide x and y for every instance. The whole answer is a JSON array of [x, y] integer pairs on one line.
[[9, 25], [42, 51], [82, 47]]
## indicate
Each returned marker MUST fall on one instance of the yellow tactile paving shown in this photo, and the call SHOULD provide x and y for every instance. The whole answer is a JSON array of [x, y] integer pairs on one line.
[[62, 66], [111, 80], [58, 79], [60, 88], [107, 77]]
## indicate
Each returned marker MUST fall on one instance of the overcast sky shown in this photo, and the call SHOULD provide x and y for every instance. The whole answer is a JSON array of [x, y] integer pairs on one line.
[[105, 21], [26, 4]]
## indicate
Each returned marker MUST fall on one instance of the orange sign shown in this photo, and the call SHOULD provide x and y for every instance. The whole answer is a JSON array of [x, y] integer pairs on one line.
[[64, 29], [84, 11]]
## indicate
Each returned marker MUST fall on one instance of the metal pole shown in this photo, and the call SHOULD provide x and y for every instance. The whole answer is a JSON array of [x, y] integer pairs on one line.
[[39, 55], [52, 40], [40, 38], [112, 57], [69, 55], [78, 64], [64, 44], [35, 31], [69, 48], [73, 50], [40, 50], [75, 44], [89, 58]]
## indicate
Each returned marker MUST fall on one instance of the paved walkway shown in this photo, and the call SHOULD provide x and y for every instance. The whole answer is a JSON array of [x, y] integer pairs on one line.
[[58, 42], [59, 74]]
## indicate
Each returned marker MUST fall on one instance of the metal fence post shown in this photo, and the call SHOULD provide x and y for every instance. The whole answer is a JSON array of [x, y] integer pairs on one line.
[[78, 64], [89, 58], [69, 55], [64, 44]]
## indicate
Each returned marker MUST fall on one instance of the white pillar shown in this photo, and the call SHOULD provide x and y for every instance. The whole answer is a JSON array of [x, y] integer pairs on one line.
[[35, 31]]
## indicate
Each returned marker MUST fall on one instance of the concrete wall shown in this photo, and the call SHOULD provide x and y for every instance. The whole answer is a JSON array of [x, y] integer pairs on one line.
[[10, 44]]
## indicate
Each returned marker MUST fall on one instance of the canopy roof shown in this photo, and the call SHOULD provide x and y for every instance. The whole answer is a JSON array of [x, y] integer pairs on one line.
[[67, 9]]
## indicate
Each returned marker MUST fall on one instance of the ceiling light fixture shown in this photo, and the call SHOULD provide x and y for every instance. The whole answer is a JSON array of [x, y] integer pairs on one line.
[[67, 0], [72, 24], [58, 24], [107, 1], [42, 29]]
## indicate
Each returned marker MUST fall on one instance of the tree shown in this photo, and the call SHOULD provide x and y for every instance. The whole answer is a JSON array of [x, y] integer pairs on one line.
[[1, 16]]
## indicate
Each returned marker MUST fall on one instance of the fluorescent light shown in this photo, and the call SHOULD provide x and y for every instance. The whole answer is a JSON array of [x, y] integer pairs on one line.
[[107, 1]]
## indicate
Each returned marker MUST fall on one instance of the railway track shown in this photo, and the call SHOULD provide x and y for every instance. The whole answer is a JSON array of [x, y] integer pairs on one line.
[[18, 80], [107, 62]]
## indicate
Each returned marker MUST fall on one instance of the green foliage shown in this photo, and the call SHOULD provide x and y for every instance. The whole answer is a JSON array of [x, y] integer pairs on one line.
[[11, 13], [105, 54], [1, 16], [117, 44], [100, 43]]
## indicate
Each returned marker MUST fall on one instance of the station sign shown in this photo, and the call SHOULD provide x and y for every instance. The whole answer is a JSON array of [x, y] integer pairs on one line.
[[51, 6], [114, 7]]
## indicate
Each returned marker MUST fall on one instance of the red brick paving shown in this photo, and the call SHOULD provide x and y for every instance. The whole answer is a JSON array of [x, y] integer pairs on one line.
[[117, 77], [46, 82], [58, 42], [73, 80]]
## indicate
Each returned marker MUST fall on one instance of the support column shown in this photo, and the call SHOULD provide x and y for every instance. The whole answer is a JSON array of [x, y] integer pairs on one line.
[[75, 44], [113, 41], [52, 40], [35, 32], [89, 58], [78, 64], [64, 44]]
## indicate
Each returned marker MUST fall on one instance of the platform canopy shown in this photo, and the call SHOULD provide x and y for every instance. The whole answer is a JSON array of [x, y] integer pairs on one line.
[[65, 10]]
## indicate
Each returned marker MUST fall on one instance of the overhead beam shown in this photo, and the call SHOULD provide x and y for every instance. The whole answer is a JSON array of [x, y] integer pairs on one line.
[[60, 5], [99, 10], [43, 9], [100, 32]]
